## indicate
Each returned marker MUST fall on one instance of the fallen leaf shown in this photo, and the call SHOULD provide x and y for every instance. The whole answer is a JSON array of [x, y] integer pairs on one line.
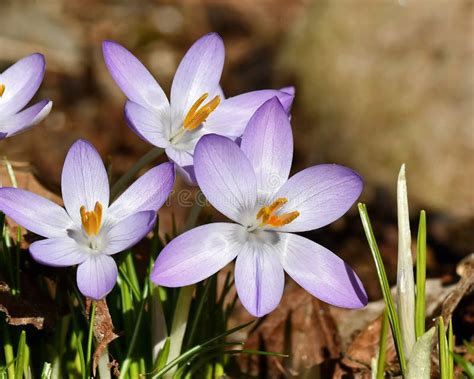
[[301, 327]]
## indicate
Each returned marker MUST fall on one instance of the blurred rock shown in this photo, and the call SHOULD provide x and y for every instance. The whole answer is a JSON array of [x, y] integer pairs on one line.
[[385, 83]]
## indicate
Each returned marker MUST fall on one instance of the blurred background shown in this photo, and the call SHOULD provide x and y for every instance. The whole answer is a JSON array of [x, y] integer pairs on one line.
[[378, 83]]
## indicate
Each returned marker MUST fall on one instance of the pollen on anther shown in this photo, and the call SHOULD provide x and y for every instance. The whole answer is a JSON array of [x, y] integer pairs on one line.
[[267, 215], [2, 89], [92, 220], [197, 114]]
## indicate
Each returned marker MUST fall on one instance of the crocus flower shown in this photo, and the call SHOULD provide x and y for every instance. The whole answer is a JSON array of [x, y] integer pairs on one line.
[[250, 186], [196, 107], [18, 84], [89, 231]]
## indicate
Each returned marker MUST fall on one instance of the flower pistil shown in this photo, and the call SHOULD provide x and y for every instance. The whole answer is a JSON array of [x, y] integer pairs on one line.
[[92, 220]]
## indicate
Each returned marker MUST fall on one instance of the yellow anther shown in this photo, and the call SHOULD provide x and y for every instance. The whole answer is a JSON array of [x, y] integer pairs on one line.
[[92, 220], [197, 114], [2, 89], [283, 219], [267, 216]]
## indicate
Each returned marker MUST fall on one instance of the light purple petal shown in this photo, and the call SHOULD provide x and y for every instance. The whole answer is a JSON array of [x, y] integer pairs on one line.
[[225, 176], [21, 81], [58, 252], [31, 116], [84, 180], [148, 124], [147, 193], [289, 90], [197, 254], [268, 143], [320, 272], [259, 278], [35, 213], [133, 78], [97, 276], [199, 72], [321, 194], [232, 115], [126, 233]]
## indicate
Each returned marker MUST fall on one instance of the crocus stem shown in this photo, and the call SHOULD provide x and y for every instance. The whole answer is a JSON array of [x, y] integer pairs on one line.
[[90, 336], [120, 185], [103, 365], [178, 327]]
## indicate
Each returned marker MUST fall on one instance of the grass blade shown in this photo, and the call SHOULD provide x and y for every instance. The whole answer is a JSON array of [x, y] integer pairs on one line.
[[389, 304], [382, 346], [450, 349], [20, 355], [163, 355], [47, 371], [136, 329], [90, 336], [208, 345], [443, 350], [420, 277], [8, 351]]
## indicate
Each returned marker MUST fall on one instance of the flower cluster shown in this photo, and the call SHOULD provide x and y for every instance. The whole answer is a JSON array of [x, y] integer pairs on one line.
[[238, 150]]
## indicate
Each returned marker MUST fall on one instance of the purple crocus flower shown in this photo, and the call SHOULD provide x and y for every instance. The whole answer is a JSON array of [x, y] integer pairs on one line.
[[250, 186], [89, 231], [18, 84], [196, 107]]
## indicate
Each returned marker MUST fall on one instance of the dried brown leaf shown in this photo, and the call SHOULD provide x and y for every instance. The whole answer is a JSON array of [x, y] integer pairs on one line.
[[103, 330], [301, 327]]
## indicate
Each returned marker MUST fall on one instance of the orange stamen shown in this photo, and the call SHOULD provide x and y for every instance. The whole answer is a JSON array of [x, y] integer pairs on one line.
[[267, 214], [92, 220], [2, 89], [197, 114]]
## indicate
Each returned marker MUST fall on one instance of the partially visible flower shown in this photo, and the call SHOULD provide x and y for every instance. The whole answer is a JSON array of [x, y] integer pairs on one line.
[[197, 105], [89, 231], [18, 85], [250, 186]]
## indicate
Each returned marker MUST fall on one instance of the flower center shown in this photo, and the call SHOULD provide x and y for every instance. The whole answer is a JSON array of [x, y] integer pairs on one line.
[[196, 115], [92, 220], [2, 89], [267, 215]]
